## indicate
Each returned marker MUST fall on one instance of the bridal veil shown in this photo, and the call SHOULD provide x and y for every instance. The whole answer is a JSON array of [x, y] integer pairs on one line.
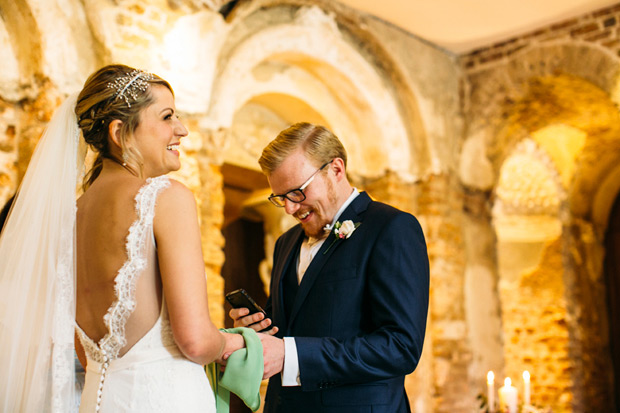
[[37, 282]]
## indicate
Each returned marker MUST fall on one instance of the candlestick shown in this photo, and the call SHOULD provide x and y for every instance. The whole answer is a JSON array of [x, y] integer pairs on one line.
[[508, 397], [526, 388], [491, 391]]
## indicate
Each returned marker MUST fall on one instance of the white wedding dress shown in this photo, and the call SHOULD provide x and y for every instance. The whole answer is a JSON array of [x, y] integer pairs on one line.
[[153, 376]]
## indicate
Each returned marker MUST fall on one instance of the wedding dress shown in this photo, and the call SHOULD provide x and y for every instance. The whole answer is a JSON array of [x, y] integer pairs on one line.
[[153, 375]]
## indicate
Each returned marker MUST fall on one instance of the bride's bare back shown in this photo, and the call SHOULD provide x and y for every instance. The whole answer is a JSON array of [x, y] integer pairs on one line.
[[105, 214]]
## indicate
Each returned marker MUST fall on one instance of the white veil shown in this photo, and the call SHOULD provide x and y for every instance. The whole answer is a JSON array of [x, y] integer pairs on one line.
[[37, 282]]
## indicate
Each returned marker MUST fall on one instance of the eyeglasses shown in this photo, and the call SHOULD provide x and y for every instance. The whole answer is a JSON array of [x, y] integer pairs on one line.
[[295, 195]]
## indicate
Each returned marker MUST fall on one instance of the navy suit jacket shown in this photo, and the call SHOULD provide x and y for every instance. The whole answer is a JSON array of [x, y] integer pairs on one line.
[[359, 316]]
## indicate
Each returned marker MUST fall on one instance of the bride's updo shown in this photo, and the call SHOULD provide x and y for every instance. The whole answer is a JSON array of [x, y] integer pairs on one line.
[[114, 92]]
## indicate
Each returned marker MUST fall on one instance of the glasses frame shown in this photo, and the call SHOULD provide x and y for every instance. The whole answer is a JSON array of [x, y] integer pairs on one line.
[[274, 198]]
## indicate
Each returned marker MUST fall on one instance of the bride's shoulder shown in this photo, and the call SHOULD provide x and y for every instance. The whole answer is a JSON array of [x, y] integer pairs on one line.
[[176, 196], [176, 212], [174, 188]]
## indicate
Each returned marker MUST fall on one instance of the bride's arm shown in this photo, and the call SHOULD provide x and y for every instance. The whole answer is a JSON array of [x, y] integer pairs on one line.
[[181, 263]]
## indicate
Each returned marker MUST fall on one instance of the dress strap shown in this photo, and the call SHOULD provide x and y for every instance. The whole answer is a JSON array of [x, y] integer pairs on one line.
[[125, 281]]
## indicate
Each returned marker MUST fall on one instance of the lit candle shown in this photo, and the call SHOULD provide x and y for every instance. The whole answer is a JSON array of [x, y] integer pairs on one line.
[[508, 397], [491, 391], [526, 388]]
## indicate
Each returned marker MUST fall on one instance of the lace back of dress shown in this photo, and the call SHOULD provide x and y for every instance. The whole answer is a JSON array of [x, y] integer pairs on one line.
[[125, 281]]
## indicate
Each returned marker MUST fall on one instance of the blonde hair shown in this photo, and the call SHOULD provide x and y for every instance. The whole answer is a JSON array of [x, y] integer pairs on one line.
[[98, 105], [319, 144]]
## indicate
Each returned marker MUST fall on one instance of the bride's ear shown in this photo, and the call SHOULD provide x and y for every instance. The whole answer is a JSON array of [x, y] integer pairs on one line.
[[114, 132]]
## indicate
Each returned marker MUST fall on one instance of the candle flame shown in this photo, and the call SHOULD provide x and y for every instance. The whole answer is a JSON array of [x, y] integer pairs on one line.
[[507, 382], [526, 376], [490, 377]]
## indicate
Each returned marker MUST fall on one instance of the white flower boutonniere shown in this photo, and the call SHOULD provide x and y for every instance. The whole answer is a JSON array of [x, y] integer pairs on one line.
[[342, 230]]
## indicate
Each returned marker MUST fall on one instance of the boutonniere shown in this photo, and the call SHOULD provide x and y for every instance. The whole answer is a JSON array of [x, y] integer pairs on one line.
[[342, 230]]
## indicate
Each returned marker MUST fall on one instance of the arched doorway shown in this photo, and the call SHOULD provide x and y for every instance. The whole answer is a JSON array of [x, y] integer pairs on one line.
[[244, 235], [244, 247]]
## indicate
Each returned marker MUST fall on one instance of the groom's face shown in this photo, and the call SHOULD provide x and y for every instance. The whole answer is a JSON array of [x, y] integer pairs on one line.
[[320, 205]]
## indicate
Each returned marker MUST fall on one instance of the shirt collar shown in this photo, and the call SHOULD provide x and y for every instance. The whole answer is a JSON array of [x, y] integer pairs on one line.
[[344, 206]]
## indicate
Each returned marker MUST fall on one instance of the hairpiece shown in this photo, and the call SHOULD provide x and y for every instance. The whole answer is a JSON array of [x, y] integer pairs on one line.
[[130, 85]]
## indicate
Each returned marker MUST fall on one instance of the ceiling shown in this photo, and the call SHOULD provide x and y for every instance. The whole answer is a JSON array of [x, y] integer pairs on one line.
[[460, 26]]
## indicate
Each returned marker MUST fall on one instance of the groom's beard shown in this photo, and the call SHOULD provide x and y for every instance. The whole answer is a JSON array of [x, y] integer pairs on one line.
[[315, 227]]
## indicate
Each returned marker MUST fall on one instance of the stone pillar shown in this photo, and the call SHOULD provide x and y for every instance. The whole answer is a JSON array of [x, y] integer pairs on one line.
[[531, 266], [441, 209], [206, 150], [482, 304], [587, 319], [534, 309]]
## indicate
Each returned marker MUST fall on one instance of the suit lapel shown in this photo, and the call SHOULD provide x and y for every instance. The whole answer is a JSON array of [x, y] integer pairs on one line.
[[354, 212]]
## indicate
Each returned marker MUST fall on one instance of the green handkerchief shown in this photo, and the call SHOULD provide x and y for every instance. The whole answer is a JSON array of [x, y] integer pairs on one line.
[[243, 374]]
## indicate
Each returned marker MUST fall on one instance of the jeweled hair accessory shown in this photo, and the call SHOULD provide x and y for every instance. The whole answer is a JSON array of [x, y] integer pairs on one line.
[[131, 85]]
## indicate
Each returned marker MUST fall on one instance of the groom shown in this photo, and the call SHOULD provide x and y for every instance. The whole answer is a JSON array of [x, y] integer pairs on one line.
[[348, 304]]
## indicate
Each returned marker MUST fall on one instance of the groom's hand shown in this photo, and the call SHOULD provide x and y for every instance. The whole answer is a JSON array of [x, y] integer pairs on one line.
[[273, 355], [256, 321]]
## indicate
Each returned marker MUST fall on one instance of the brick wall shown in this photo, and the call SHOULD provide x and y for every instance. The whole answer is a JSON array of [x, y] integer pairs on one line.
[[601, 27]]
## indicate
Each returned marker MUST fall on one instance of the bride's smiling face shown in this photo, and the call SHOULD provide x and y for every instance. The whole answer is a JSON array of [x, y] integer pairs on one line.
[[158, 134]]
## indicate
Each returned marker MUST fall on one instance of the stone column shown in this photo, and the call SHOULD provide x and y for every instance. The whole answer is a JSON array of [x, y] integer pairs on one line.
[[481, 301], [587, 318], [205, 148]]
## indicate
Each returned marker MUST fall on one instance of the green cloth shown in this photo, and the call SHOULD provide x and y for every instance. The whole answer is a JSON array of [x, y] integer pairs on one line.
[[243, 374]]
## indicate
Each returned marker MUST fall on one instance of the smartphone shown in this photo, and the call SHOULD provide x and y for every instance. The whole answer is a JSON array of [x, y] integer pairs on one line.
[[241, 299]]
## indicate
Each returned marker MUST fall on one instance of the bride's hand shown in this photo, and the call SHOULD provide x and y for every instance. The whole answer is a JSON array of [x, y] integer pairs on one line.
[[233, 342]]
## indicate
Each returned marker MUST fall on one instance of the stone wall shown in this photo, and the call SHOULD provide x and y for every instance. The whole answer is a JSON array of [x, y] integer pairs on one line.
[[557, 86]]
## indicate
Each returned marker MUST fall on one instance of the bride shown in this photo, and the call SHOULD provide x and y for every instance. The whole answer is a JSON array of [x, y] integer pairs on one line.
[[124, 270]]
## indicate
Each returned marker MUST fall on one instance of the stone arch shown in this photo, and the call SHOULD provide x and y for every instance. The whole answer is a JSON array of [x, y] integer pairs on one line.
[[68, 54], [259, 120], [596, 175], [49, 39], [309, 60], [497, 91], [576, 123]]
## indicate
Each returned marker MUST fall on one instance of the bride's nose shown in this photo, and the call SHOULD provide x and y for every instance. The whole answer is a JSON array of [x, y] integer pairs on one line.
[[180, 129]]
